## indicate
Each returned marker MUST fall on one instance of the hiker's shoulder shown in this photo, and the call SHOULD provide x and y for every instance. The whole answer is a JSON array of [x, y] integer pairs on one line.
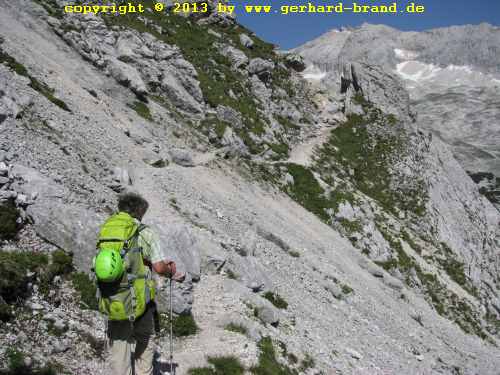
[[147, 232]]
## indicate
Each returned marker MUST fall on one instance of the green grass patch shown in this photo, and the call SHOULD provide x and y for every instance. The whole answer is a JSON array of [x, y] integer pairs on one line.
[[36, 85], [363, 151], [307, 191], [455, 269], [52, 8], [213, 123], [220, 366], [276, 300], [402, 261], [268, 363], [351, 226], [407, 238], [287, 123], [87, 290], [141, 109], [237, 328], [281, 149], [182, 325], [346, 289]]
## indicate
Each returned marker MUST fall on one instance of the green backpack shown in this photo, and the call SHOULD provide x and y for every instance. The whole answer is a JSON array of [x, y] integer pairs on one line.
[[125, 286]]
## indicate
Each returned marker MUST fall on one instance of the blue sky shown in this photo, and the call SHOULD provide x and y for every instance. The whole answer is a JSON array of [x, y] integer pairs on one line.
[[289, 31]]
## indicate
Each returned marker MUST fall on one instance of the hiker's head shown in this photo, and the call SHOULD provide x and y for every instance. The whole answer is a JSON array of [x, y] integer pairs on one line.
[[133, 204]]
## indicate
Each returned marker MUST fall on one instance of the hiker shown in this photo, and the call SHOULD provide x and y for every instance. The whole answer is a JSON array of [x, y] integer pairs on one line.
[[128, 252]]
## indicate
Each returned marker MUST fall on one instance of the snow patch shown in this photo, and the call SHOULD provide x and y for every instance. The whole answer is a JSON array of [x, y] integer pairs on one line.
[[416, 72], [404, 54], [313, 73]]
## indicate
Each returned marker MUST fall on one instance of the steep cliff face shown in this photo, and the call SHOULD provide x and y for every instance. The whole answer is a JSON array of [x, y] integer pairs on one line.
[[322, 231]]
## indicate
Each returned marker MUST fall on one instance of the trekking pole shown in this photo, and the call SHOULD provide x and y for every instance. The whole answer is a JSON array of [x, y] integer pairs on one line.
[[172, 371]]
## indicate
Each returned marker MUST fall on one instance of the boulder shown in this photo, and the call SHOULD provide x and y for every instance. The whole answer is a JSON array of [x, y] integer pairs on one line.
[[127, 75], [253, 330], [229, 115], [260, 67], [264, 309], [268, 315], [334, 289], [182, 157], [249, 241], [296, 62], [178, 93], [235, 56], [371, 268], [246, 41], [233, 142], [69, 227], [250, 272], [393, 283], [346, 211], [182, 296], [124, 44], [213, 257]]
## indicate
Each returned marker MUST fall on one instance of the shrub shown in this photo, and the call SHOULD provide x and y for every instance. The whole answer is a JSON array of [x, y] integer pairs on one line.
[[5, 312], [13, 269], [62, 263], [87, 290], [8, 220], [276, 300], [221, 366]]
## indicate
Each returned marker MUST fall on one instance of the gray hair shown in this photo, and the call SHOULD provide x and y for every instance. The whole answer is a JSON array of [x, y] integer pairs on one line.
[[133, 204]]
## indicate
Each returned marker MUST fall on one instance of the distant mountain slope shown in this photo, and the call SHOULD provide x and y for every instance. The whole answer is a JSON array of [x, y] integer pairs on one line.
[[452, 75]]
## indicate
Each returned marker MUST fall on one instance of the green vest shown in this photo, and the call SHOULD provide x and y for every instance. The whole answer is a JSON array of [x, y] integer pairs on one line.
[[127, 298]]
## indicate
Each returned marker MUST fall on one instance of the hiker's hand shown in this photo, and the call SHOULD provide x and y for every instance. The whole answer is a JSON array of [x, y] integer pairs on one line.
[[171, 269], [179, 277]]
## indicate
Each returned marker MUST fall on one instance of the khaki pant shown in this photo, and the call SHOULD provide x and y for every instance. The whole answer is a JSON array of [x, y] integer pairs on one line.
[[131, 345]]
